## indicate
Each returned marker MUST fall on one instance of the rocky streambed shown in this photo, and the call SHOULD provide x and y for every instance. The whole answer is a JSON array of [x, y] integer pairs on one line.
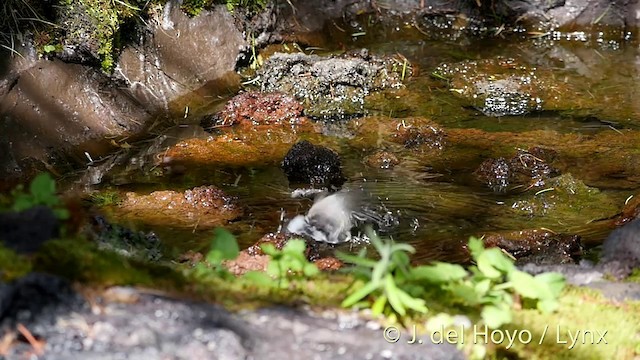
[[447, 124]]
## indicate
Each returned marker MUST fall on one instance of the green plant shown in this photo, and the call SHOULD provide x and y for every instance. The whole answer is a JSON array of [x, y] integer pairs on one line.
[[42, 191], [387, 280], [492, 283], [253, 6], [287, 264], [392, 286], [105, 198], [223, 247]]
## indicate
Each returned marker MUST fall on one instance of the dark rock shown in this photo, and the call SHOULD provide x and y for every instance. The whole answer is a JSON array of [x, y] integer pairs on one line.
[[138, 244], [538, 246], [156, 327], [495, 173], [35, 296], [621, 250], [525, 170], [27, 230], [313, 164]]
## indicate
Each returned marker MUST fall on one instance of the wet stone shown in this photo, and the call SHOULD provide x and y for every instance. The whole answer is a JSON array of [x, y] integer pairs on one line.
[[313, 164], [413, 135], [330, 87], [254, 108], [503, 86], [621, 250], [539, 247], [127, 242], [524, 170], [382, 160], [206, 206], [495, 173]]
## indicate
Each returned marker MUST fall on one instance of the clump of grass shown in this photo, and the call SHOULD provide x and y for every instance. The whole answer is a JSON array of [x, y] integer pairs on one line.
[[20, 16]]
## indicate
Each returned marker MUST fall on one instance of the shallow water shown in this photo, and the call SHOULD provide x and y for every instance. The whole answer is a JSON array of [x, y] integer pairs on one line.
[[438, 207]]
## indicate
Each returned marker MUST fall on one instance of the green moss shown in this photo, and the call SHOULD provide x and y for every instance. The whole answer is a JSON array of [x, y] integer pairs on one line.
[[12, 265], [195, 7], [81, 260], [580, 309], [105, 198]]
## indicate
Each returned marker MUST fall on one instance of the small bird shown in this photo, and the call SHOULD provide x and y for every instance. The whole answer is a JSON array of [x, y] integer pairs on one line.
[[329, 220]]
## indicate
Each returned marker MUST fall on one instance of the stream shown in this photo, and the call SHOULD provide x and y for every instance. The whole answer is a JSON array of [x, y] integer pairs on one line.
[[587, 120]]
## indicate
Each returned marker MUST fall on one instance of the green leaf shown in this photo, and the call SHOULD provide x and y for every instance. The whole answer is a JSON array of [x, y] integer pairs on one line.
[[485, 265], [415, 304], [360, 294], [43, 186], [483, 287], [223, 247], [294, 246], [439, 272], [62, 214], [527, 286], [269, 249], [381, 267], [310, 270], [23, 202], [378, 306], [476, 247], [548, 305], [275, 269], [49, 48], [392, 294], [258, 278], [495, 316], [555, 281], [358, 260], [465, 292]]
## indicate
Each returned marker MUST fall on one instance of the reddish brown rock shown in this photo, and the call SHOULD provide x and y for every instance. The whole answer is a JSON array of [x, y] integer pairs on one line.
[[328, 264], [382, 160], [413, 133], [253, 259], [204, 206], [246, 262], [256, 109]]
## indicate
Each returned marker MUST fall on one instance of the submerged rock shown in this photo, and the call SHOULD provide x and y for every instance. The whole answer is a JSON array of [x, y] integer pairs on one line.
[[566, 198], [313, 164], [331, 87], [501, 87], [382, 160], [204, 206], [525, 170]]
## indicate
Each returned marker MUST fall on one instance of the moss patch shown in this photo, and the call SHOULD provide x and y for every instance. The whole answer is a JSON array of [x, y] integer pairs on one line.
[[12, 265], [583, 310]]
